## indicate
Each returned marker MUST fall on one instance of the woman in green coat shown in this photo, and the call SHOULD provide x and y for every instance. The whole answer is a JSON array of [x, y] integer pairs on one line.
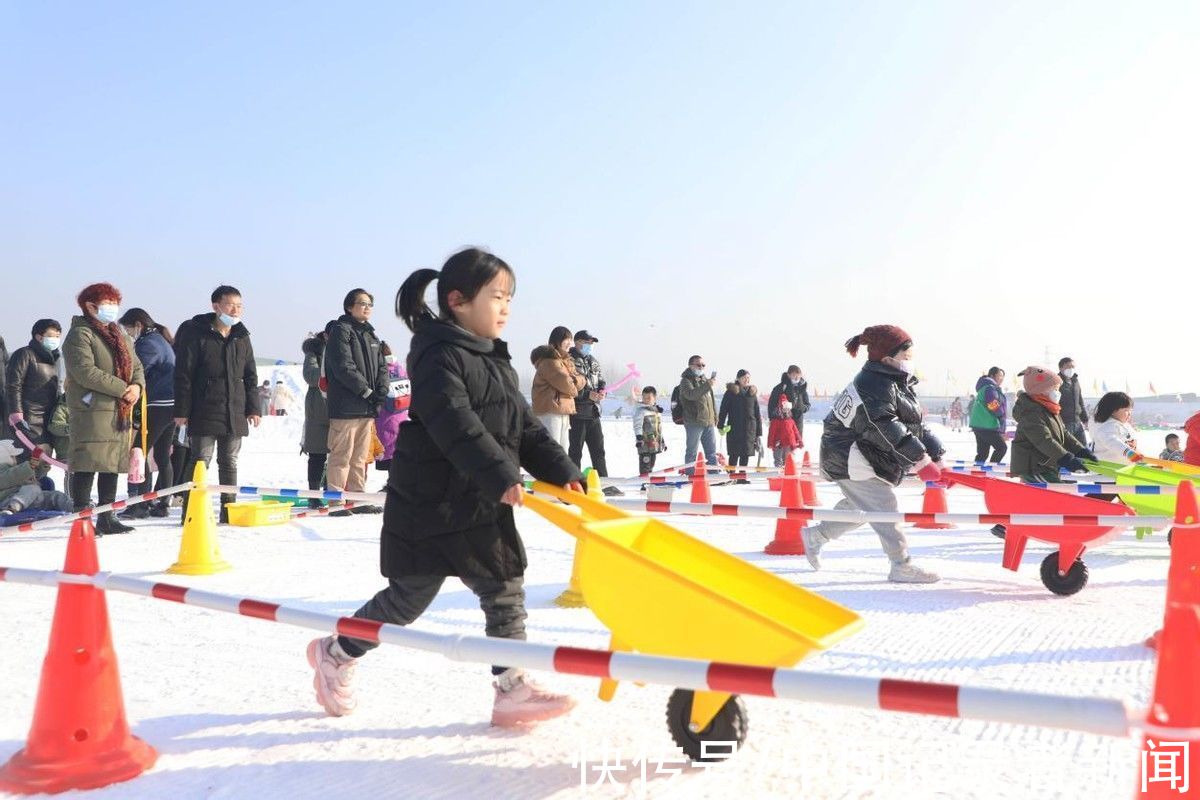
[[105, 381]]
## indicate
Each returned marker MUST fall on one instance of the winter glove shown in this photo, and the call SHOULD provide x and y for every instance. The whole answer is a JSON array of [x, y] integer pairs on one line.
[[1086, 454], [1134, 456], [725, 431], [14, 418], [930, 473], [1071, 464]]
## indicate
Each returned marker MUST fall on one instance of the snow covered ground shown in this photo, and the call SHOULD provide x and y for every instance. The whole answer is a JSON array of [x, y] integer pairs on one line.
[[228, 701]]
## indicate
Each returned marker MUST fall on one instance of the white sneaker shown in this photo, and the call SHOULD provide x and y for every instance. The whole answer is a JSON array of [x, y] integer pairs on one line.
[[813, 540], [909, 572], [333, 677], [519, 700]]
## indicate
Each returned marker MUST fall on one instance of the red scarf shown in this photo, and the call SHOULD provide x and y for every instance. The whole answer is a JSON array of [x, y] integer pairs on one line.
[[110, 334], [1048, 404]]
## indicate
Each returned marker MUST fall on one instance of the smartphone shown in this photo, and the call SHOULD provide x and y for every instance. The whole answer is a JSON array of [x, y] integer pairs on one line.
[[714, 375]]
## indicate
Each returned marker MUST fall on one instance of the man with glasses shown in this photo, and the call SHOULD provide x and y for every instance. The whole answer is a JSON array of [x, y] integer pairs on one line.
[[216, 388], [699, 411], [357, 382]]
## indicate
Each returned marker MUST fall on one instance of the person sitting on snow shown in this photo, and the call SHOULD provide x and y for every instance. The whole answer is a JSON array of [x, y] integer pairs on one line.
[[19, 487]]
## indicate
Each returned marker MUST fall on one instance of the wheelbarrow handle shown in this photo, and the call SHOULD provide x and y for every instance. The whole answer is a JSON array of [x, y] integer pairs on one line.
[[590, 506], [556, 513]]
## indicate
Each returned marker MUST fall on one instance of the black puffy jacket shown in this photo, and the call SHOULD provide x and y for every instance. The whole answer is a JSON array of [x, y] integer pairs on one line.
[[31, 380], [739, 408], [593, 381], [216, 381], [876, 427], [355, 369], [797, 395], [469, 432]]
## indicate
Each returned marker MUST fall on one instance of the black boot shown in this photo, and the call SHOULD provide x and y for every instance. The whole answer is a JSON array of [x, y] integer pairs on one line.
[[140, 511], [315, 503], [107, 523], [160, 508]]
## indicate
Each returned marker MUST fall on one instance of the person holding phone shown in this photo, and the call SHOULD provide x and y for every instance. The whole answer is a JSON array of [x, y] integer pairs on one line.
[[699, 411], [585, 422]]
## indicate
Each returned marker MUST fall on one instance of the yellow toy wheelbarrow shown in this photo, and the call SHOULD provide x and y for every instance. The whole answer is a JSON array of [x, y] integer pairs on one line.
[[662, 592]]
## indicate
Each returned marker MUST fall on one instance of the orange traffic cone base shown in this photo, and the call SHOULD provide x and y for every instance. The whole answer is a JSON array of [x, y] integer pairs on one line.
[[787, 541], [934, 503], [27, 774]]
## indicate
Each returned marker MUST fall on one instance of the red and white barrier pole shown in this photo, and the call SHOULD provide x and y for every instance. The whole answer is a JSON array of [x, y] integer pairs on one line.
[[1105, 717], [899, 518], [52, 522]]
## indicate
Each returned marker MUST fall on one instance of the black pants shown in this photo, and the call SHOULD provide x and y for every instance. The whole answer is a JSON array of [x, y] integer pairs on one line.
[[739, 461], [201, 448], [160, 435], [646, 463], [990, 440], [81, 488], [316, 469], [588, 430], [405, 599]]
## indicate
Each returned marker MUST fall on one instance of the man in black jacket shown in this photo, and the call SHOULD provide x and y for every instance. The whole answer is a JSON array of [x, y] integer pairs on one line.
[[1074, 412], [216, 387], [793, 388], [585, 422], [31, 383], [357, 385]]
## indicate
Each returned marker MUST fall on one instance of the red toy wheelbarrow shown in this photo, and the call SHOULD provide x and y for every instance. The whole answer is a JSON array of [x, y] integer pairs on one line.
[[1063, 572]]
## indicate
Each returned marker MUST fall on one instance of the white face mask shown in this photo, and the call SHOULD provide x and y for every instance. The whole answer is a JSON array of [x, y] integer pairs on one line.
[[1055, 395], [1069, 373], [108, 312], [907, 366]]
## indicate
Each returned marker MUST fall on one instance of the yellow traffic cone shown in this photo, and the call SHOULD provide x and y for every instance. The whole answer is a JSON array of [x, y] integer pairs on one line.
[[199, 552], [572, 597]]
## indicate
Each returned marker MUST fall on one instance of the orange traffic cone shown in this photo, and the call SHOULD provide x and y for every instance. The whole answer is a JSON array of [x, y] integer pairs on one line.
[[934, 503], [79, 738], [787, 541], [806, 462], [700, 490], [1171, 743]]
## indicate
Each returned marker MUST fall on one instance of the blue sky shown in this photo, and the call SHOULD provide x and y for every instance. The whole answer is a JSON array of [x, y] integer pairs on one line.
[[754, 184]]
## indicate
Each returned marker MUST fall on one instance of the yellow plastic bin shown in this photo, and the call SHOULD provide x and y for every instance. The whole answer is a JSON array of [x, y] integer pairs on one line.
[[253, 513]]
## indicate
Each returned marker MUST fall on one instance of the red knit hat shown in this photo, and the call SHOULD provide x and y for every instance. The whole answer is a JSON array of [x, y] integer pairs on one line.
[[97, 293], [1039, 380], [881, 341]]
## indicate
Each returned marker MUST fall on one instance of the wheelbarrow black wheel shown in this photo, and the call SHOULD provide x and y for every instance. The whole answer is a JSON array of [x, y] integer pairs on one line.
[[729, 726], [1171, 531], [999, 531], [1075, 579]]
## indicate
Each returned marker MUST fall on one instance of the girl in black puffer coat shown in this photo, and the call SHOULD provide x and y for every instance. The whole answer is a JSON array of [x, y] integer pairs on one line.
[[455, 477], [873, 436]]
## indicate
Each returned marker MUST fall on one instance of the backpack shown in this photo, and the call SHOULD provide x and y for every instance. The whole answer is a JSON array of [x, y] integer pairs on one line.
[[676, 407]]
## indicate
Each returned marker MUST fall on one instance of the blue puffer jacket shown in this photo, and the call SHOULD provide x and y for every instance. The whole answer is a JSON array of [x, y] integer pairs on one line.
[[158, 360]]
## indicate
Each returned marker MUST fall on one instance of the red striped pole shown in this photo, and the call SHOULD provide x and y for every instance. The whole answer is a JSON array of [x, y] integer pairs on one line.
[[66, 519], [1105, 717], [899, 518]]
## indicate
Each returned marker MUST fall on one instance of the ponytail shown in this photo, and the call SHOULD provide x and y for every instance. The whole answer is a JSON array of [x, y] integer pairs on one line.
[[139, 316], [410, 300], [853, 344], [466, 272], [165, 332]]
